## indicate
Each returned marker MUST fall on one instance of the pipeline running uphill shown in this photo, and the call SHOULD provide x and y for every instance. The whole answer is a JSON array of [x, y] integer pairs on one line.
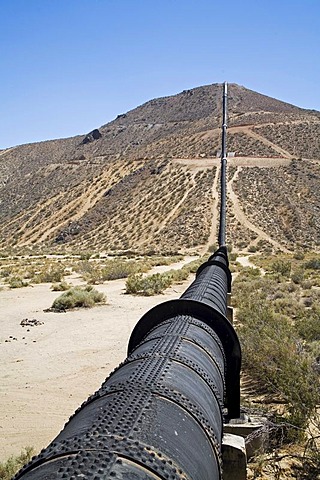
[[160, 414]]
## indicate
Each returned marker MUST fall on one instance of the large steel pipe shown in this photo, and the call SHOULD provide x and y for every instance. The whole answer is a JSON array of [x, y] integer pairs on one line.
[[205, 300], [160, 414]]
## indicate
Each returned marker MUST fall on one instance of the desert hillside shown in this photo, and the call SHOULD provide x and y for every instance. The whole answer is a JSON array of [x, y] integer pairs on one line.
[[148, 181]]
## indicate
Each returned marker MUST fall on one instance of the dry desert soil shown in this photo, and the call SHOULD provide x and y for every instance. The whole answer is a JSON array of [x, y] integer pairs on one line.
[[47, 370]]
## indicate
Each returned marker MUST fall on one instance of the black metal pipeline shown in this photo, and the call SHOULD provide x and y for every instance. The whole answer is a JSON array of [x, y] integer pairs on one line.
[[160, 414], [223, 171]]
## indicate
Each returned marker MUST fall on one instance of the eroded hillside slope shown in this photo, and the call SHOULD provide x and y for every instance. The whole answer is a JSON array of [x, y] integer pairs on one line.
[[148, 179]]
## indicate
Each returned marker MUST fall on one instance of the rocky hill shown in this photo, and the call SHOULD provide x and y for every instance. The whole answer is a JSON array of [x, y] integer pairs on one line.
[[149, 179]]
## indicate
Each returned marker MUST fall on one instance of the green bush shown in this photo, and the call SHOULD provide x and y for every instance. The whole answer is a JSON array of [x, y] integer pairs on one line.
[[159, 260], [149, 285], [313, 264], [6, 272], [116, 269], [78, 297], [49, 274], [298, 255], [308, 324], [250, 272], [272, 356], [60, 287], [271, 345], [297, 276], [85, 256], [287, 306], [281, 266], [94, 273], [17, 282], [9, 468]]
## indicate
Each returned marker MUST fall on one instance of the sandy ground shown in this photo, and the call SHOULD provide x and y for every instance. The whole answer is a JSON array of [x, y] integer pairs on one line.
[[48, 370]]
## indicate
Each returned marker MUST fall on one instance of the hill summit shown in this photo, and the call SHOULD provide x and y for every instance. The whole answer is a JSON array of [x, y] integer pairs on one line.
[[148, 180]]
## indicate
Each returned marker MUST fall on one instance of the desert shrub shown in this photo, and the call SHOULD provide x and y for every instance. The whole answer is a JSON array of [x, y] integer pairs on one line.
[[313, 263], [283, 267], [308, 324], [250, 272], [311, 457], [122, 269], [6, 272], [10, 467], [17, 282], [85, 256], [179, 275], [233, 257], [306, 284], [89, 270], [272, 347], [288, 306], [298, 255], [297, 276], [272, 356], [94, 273], [159, 260], [49, 274], [78, 297], [60, 287], [149, 285]]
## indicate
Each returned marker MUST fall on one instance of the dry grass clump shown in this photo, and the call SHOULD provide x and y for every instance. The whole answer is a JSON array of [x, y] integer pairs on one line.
[[155, 284], [150, 285], [17, 282], [10, 467], [78, 297], [94, 272], [49, 273], [19, 271], [60, 287]]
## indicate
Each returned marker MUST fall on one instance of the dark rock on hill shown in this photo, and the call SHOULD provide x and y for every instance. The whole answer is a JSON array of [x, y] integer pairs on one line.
[[94, 135]]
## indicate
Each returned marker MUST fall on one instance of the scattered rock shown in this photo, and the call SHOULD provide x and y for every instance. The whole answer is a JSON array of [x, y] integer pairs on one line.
[[30, 323]]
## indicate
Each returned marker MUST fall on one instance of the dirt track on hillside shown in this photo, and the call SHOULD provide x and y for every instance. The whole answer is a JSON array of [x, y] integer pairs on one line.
[[242, 218]]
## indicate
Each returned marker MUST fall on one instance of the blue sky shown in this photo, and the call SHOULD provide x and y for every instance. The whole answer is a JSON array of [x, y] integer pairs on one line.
[[68, 66]]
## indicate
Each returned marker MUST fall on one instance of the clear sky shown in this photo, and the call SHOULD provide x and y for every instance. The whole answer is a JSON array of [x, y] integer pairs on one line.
[[69, 66]]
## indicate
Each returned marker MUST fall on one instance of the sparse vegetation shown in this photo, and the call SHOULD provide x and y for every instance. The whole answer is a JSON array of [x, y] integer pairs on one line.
[[77, 297], [49, 273], [138, 284], [149, 285], [60, 287], [17, 282], [10, 467], [280, 340]]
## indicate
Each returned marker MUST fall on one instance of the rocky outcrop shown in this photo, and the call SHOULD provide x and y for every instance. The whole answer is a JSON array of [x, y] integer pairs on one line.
[[91, 136]]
